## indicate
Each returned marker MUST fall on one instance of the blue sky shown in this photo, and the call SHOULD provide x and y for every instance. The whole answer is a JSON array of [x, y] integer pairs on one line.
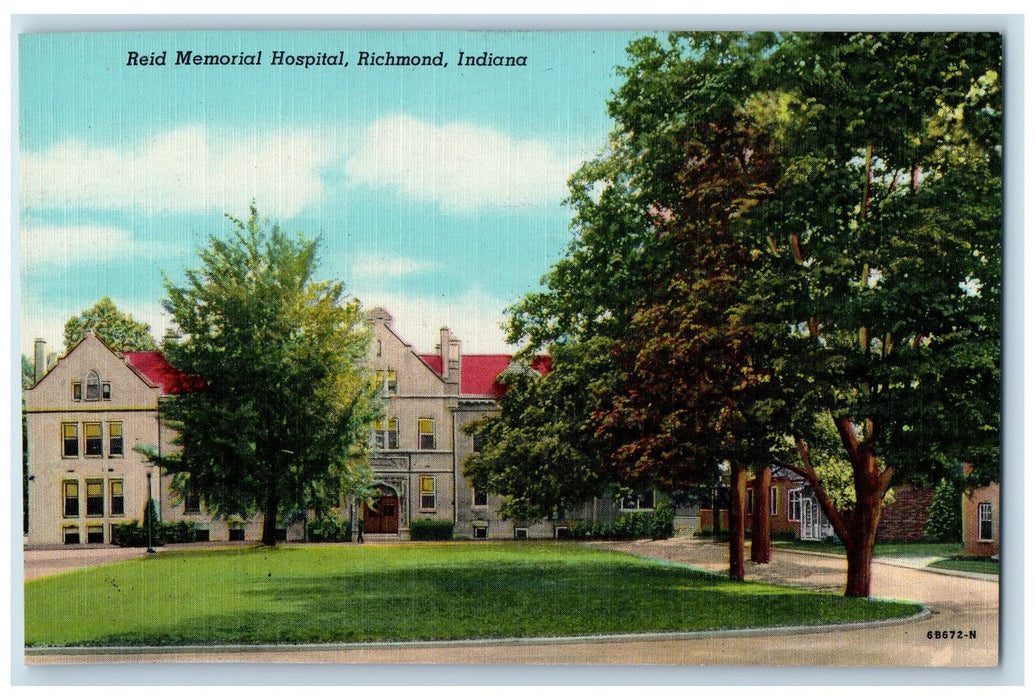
[[436, 192]]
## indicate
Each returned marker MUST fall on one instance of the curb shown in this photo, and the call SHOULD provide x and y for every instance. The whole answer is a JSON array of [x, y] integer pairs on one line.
[[37, 652]]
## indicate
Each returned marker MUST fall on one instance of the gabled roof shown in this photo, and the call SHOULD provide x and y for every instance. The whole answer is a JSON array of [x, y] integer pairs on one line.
[[479, 374], [434, 362], [158, 371]]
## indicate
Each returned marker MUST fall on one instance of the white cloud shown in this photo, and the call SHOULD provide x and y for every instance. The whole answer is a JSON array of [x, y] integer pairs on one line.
[[188, 169], [62, 246], [461, 166], [474, 318], [384, 266]]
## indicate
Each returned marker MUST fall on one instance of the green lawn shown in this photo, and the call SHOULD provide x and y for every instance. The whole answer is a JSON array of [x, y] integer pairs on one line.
[[977, 565], [921, 549], [297, 594]]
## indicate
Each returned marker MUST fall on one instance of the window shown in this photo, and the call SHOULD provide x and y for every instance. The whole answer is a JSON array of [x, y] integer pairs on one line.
[[427, 493], [479, 442], [481, 532], [521, 533], [95, 534], [94, 498], [93, 387], [77, 391], [386, 380], [71, 495], [984, 522], [94, 439], [426, 434], [480, 498], [386, 433], [69, 439], [794, 505], [117, 503], [115, 439], [379, 348], [192, 502], [106, 391], [773, 510], [71, 533]]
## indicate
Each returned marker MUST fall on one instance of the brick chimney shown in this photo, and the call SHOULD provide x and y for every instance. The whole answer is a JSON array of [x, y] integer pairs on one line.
[[39, 360], [449, 349]]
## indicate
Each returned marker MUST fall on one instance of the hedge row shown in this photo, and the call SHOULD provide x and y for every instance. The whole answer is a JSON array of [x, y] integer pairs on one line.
[[134, 534], [428, 530], [658, 524]]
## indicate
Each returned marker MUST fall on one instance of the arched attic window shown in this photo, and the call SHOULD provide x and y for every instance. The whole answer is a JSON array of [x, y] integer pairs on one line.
[[93, 386]]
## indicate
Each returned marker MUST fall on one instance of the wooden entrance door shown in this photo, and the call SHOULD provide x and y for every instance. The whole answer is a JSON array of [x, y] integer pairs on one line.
[[382, 516]]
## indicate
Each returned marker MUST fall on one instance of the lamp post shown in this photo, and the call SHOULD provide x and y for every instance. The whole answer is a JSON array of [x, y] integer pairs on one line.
[[150, 515]]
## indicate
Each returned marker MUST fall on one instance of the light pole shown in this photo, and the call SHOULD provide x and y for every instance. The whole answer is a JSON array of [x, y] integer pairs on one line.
[[150, 515]]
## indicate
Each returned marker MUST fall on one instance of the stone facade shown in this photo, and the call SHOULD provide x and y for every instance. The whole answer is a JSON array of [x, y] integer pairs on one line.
[[419, 447], [84, 417]]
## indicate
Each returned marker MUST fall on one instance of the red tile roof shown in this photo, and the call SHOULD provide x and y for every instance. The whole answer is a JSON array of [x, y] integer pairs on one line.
[[157, 369], [434, 362], [478, 373]]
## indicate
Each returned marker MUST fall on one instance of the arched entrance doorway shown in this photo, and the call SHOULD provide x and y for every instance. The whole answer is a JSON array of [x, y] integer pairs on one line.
[[381, 514]]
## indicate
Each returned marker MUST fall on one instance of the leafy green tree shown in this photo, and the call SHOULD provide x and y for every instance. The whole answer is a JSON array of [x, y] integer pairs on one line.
[[120, 331], [793, 235], [885, 257], [282, 421], [539, 452]]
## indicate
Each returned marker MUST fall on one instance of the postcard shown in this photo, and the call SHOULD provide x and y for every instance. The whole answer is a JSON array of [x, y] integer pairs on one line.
[[525, 348]]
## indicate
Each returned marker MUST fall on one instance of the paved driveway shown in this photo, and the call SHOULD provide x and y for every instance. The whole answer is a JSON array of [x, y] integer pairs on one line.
[[959, 605]]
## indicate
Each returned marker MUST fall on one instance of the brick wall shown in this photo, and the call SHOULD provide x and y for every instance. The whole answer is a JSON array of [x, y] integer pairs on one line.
[[903, 520]]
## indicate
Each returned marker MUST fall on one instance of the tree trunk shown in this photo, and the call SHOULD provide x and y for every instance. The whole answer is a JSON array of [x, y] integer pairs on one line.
[[269, 520], [862, 529], [858, 530], [761, 549], [738, 488]]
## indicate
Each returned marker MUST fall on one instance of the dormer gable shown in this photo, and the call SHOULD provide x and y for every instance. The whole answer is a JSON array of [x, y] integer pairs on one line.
[[92, 376], [390, 353]]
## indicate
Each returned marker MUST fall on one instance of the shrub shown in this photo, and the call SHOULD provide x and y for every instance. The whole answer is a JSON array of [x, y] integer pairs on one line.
[[134, 534], [944, 521], [428, 530], [663, 522], [131, 535], [640, 524], [330, 530], [178, 532]]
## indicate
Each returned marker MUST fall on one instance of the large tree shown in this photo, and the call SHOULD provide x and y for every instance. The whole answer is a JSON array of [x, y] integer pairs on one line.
[[283, 417], [885, 256], [120, 331], [538, 452], [844, 296]]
